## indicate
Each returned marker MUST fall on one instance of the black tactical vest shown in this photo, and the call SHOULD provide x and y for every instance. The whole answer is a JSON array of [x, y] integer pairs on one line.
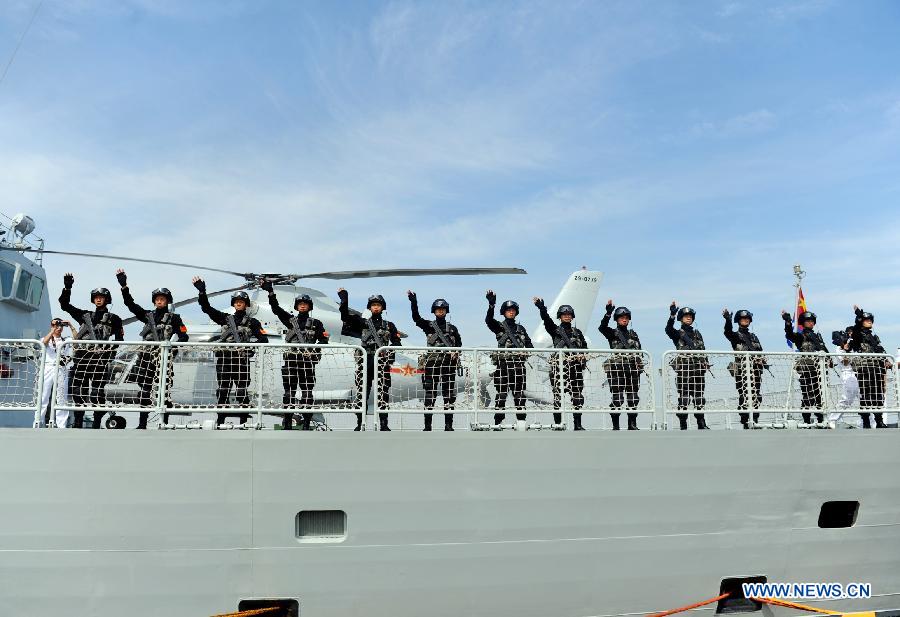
[[689, 339], [627, 339], [434, 339], [506, 341], [748, 341], [575, 340], [868, 342], [162, 327], [302, 334], [812, 342], [102, 330], [244, 331], [381, 337]]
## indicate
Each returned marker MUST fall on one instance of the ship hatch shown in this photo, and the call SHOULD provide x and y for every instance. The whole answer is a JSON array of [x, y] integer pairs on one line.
[[837, 514], [736, 602]]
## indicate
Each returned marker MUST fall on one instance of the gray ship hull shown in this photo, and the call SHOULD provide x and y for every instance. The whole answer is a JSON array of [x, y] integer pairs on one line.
[[187, 523]]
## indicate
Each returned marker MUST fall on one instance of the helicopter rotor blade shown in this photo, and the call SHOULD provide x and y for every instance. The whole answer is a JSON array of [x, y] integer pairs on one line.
[[361, 274], [181, 303], [243, 275]]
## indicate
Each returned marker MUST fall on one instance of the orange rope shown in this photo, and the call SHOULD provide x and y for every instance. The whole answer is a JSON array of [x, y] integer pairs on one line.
[[689, 606], [801, 607], [250, 613]]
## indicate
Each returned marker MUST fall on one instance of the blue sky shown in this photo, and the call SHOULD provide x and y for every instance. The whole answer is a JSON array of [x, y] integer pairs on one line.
[[689, 150]]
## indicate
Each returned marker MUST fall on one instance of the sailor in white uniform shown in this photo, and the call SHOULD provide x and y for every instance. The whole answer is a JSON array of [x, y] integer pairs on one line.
[[55, 373], [849, 392]]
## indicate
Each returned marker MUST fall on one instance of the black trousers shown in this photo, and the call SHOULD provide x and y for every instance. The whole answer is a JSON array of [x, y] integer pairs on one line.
[[509, 378], [573, 371], [624, 381], [748, 396], [439, 377], [381, 397], [87, 383], [690, 382], [298, 375], [810, 377], [232, 371], [871, 389]]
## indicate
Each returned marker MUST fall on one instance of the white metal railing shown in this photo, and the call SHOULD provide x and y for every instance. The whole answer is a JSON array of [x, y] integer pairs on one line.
[[226, 379], [779, 386], [540, 383], [21, 375]]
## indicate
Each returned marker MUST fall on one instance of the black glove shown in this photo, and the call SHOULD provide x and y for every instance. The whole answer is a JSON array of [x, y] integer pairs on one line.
[[540, 304], [786, 316], [610, 307], [200, 285], [491, 298], [343, 295], [411, 295], [726, 315], [267, 286], [68, 281], [859, 311], [122, 278], [673, 309]]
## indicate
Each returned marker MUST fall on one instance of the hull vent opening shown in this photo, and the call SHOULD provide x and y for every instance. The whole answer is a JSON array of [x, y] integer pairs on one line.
[[838, 514], [736, 602], [286, 608], [321, 525]]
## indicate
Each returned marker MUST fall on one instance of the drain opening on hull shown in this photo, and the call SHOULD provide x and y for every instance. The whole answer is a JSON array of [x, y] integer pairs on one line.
[[736, 602], [286, 607], [321, 525], [837, 514]]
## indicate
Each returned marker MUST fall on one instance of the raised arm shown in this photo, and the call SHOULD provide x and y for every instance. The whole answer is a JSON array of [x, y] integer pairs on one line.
[[132, 306], [283, 316], [604, 328], [671, 332], [549, 324], [794, 337], [217, 316], [729, 329], [424, 324], [492, 324], [66, 296]]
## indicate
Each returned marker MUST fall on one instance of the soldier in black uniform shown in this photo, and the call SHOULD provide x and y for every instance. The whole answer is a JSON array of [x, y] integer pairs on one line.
[[90, 366], [870, 372], [807, 342], [744, 340], [160, 324], [565, 336], [623, 372], [439, 367], [232, 364], [509, 375], [690, 369], [299, 367], [373, 332]]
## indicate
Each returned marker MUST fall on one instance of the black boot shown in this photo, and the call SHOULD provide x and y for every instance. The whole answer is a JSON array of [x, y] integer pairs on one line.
[[448, 421], [287, 422], [428, 418], [359, 419], [682, 421], [879, 421], [576, 420], [866, 420], [305, 419], [557, 418], [383, 422], [615, 420], [820, 417], [498, 418], [632, 422], [701, 422]]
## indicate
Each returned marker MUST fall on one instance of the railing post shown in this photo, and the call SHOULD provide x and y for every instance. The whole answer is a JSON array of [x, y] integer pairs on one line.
[[562, 383], [163, 368], [825, 397], [260, 372]]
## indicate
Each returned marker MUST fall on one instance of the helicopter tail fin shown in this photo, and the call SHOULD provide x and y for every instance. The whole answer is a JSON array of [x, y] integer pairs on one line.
[[580, 292]]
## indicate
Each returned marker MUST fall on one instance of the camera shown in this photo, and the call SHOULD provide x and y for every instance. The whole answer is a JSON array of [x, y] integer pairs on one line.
[[840, 338]]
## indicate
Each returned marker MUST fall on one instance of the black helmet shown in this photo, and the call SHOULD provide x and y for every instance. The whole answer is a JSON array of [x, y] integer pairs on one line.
[[565, 309], [741, 314], [861, 317], [440, 303], [509, 304], [807, 316], [240, 295], [303, 298], [162, 291], [378, 298], [622, 311], [686, 310], [101, 291]]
